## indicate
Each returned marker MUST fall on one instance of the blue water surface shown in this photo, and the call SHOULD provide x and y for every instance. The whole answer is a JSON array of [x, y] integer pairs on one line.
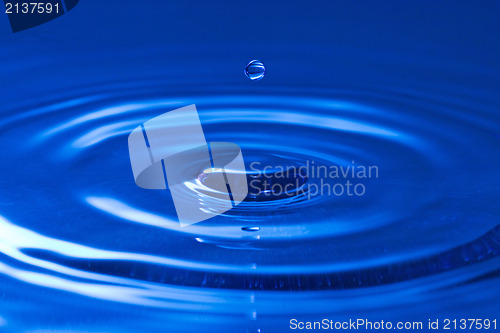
[[410, 87]]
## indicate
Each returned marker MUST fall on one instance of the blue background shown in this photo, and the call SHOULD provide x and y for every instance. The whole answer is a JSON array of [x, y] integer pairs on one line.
[[412, 87]]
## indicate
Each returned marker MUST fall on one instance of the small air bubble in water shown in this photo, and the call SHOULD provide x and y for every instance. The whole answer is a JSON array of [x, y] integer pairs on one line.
[[255, 70], [250, 228]]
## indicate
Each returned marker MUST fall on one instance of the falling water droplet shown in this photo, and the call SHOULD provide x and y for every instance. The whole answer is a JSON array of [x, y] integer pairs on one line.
[[250, 228], [255, 70]]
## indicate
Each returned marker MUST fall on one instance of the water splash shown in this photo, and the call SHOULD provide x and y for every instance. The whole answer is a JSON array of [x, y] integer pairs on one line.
[[427, 228]]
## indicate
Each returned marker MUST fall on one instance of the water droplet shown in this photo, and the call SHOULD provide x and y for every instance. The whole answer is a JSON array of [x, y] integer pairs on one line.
[[255, 70], [250, 228]]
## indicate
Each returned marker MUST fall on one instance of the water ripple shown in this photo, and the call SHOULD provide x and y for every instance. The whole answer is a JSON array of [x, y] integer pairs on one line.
[[389, 240]]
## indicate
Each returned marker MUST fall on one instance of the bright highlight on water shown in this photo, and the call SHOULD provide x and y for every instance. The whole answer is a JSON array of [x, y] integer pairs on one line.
[[255, 70]]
